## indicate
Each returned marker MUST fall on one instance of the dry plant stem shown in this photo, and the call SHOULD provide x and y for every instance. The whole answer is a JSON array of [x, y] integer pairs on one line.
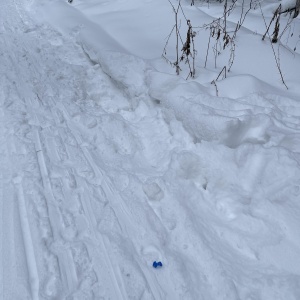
[[176, 27], [218, 29], [214, 83], [230, 9], [276, 30], [277, 61], [240, 21], [208, 46], [223, 38], [225, 16], [177, 37], [224, 69], [194, 51], [287, 26], [232, 56], [218, 20], [277, 11], [242, 18], [295, 9], [165, 48], [216, 55], [188, 50]]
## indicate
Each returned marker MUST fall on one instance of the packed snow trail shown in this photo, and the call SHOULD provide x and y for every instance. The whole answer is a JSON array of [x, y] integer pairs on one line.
[[52, 187]]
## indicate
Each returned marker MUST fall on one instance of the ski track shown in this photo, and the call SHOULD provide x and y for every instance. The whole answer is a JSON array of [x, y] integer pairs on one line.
[[124, 217], [29, 249], [60, 262]]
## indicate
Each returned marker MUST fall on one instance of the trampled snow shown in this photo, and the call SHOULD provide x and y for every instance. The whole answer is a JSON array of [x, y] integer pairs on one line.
[[110, 161]]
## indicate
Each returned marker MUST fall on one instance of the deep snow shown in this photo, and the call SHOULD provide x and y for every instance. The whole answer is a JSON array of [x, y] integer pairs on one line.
[[109, 161]]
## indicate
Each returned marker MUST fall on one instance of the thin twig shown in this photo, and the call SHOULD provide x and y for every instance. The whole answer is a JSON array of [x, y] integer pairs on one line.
[[208, 45], [214, 83], [277, 62], [223, 69]]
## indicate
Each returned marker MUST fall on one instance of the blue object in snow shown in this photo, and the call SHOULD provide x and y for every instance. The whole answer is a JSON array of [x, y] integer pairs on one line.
[[157, 264]]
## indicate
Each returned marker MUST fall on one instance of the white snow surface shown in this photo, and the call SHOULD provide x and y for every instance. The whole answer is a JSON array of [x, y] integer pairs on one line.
[[110, 161]]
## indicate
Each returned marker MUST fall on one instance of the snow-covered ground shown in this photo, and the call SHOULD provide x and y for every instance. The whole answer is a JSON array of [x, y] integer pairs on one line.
[[110, 161]]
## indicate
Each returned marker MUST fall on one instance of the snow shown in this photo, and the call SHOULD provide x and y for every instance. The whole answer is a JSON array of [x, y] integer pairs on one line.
[[110, 161]]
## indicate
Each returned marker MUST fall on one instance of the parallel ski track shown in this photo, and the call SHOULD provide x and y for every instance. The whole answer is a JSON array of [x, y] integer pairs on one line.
[[66, 263], [117, 203], [20, 62], [13, 216], [27, 238], [15, 229], [124, 216], [100, 252], [115, 200]]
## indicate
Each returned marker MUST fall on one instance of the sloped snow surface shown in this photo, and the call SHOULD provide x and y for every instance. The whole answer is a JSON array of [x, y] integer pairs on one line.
[[110, 162]]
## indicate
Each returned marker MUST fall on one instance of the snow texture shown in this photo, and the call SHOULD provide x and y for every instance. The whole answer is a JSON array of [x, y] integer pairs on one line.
[[110, 161]]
